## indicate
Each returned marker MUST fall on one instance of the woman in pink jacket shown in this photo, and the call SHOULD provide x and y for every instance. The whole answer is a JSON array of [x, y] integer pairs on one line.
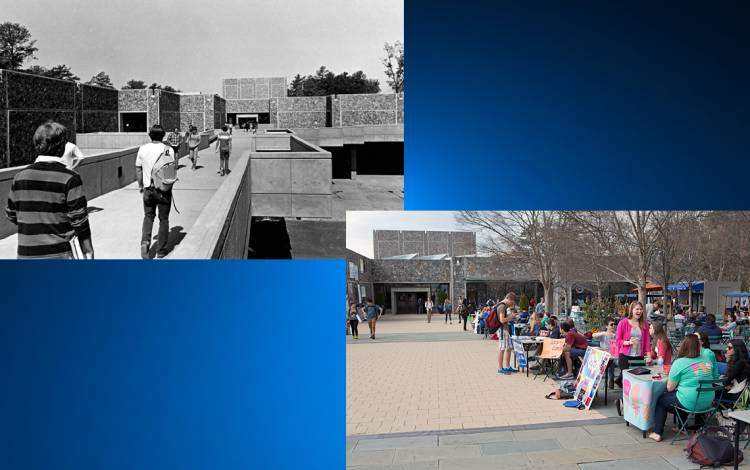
[[632, 337]]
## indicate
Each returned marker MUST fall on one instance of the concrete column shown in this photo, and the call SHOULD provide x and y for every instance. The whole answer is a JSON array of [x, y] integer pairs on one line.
[[353, 155]]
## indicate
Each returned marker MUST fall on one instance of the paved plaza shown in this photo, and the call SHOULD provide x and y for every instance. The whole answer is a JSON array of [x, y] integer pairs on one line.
[[427, 396]]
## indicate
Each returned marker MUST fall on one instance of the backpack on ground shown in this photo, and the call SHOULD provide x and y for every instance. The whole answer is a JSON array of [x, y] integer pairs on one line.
[[712, 446], [164, 171]]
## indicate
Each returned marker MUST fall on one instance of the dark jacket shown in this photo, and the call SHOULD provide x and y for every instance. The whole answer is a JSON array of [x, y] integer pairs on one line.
[[739, 370], [711, 329]]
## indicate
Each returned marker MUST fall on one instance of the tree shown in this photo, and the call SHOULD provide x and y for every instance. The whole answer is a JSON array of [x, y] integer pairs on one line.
[[101, 79], [532, 238], [15, 45], [325, 82], [671, 229], [61, 72], [134, 85], [629, 242], [169, 88], [394, 65]]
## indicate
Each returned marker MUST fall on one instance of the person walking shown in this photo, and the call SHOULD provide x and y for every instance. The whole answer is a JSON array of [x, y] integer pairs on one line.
[[448, 310], [151, 158], [428, 306], [354, 321], [194, 140], [47, 202], [174, 139], [373, 313], [224, 144]]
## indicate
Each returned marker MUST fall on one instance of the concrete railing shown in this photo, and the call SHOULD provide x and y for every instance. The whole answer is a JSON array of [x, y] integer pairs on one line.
[[290, 177], [120, 140], [222, 230], [339, 136], [100, 174]]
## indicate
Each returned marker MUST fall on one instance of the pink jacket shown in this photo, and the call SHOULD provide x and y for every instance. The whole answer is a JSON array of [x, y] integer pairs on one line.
[[623, 334]]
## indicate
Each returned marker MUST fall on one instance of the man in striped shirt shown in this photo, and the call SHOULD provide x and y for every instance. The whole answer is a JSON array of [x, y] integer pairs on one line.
[[47, 201]]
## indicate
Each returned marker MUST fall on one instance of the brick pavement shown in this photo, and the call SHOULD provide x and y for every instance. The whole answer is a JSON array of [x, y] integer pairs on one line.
[[416, 406]]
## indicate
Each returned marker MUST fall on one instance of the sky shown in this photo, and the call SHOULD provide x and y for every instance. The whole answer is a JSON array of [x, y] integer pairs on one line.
[[192, 45], [360, 224]]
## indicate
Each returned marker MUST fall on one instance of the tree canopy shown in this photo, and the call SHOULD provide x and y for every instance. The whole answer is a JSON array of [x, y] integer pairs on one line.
[[134, 84], [101, 79], [16, 45], [394, 65], [62, 72], [325, 82]]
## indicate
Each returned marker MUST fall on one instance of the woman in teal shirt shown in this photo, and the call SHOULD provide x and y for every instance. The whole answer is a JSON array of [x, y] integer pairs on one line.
[[682, 387]]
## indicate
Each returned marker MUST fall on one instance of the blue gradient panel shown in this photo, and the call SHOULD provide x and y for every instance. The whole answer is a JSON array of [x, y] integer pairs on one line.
[[571, 105], [172, 365]]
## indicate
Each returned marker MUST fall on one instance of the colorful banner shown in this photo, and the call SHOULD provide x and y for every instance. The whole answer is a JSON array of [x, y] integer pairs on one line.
[[520, 354], [593, 369]]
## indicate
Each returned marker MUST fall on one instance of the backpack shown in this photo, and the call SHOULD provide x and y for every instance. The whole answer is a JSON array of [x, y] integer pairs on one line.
[[713, 447], [492, 322], [164, 172]]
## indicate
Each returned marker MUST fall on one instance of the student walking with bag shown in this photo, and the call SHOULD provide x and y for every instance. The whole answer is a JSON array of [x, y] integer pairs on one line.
[[448, 310], [428, 306], [354, 321], [193, 140], [156, 172], [373, 313], [224, 144]]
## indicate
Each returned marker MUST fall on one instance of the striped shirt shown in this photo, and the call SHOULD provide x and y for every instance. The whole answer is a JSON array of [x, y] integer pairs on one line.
[[48, 204]]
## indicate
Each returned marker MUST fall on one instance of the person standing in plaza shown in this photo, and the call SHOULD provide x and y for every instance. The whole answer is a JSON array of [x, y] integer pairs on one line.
[[174, 139], [428, 307], [194, 140], [468, 310], [632, 338], [373, 313], [151, 157], [224, 144], [540, 307], [448, 310], [354, 321], [47, 201], [505, 348]]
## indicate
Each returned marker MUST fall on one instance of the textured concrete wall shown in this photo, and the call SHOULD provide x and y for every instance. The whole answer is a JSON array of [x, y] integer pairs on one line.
[[302, 111], [254, 88], [98, 109], [220, 111], [169, 109], [388, 243], [133, 100], [248, 106], [365, 110], [27, 102], [411, 271]]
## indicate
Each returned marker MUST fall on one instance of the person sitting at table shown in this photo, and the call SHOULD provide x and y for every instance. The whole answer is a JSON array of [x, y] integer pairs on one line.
[[632, 338], [682, 386], [660, 345], [575, 347], [534, 325], [730, 325], [607, 343], [553, 327], [707, 353], [710, 327], [738, 369]]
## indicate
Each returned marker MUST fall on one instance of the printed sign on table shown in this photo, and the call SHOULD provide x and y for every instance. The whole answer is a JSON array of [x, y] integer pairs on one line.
[[593, 369], [520, 354]]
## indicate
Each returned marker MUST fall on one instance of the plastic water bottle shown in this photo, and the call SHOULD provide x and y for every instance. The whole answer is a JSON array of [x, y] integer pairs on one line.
[[660, 366]]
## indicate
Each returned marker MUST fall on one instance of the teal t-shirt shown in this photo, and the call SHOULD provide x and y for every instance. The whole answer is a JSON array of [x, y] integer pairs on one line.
[[688, 372], [710, 356]]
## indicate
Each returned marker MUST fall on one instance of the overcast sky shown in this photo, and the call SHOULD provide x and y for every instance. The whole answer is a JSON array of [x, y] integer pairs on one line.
[[360, 224], [192, 45]]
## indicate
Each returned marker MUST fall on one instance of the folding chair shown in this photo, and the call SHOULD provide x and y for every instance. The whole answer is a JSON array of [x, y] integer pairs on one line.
[[552, 350], [704, 386]]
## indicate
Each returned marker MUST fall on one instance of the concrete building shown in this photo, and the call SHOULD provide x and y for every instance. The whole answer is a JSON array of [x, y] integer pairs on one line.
[[389, 243]]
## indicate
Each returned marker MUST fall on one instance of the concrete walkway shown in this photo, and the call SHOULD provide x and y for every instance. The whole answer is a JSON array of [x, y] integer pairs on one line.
[[116, 217], [427, 396]]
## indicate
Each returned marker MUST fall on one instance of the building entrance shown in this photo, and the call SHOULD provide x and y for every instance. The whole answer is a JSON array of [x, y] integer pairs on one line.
[[133, 122], [408, 299]]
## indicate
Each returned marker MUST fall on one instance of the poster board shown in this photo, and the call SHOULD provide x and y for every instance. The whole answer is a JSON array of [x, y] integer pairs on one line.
[[594, 367], [520, 354]]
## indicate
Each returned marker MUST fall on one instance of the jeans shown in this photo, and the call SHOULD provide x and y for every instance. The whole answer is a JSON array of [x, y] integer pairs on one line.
[[194, 156], [353, 325], [153, 200], [465, 317], [448, 316], [664, 405]]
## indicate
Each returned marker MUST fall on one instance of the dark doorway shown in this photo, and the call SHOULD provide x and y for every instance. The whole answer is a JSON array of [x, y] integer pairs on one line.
[[269, 239], [408, 302], [133, 122]]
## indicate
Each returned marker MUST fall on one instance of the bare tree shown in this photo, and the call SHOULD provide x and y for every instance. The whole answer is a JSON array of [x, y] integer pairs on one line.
[[628, 242], [672, 227], [529, 237]]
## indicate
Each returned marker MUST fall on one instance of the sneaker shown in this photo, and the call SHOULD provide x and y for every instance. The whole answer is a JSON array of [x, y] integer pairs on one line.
[[356, 337], [228, 171], [503, 371], [566, 376], [510, 369], [158, 256], [144, 250]]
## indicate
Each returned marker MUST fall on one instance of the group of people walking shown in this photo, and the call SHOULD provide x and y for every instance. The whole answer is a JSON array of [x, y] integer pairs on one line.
[[48, 205]]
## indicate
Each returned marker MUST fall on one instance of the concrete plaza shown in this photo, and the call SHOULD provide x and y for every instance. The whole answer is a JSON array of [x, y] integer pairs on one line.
[[420, 396]]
